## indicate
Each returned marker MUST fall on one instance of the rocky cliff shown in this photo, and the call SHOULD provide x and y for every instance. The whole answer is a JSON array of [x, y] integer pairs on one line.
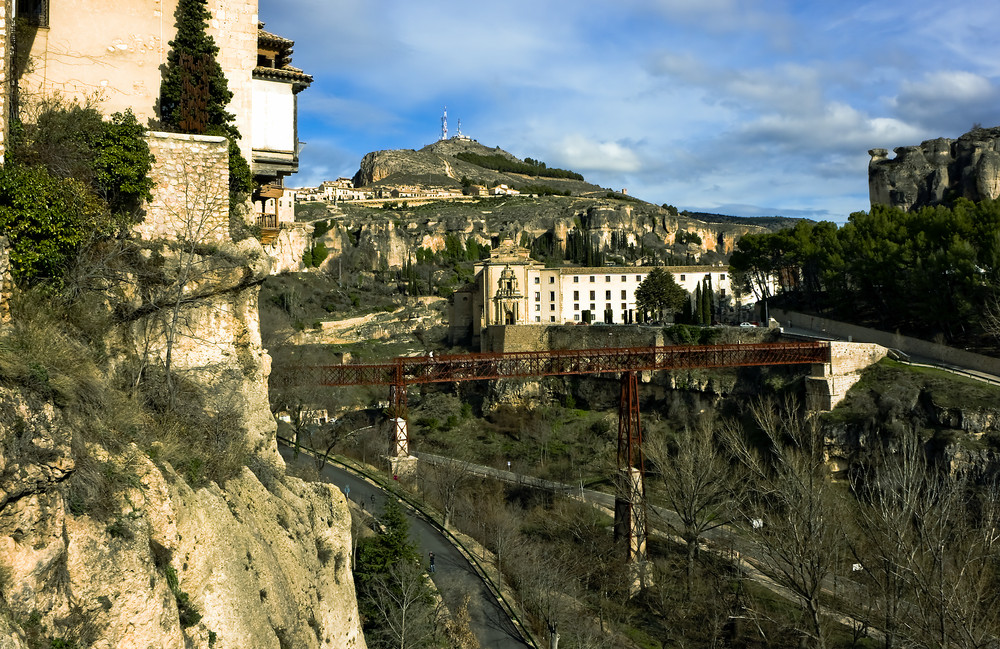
[[622, 231], [127, 523], [938, 171]]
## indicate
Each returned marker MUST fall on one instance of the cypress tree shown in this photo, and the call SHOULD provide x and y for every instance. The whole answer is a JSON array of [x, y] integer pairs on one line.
[[194, 92], [697, 305]]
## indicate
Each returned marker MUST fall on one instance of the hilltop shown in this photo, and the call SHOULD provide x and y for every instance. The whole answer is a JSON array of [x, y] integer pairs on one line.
[[552, 215], [438, 165]]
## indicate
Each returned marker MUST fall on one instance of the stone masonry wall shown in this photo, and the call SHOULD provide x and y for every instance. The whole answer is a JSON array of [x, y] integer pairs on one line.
[[191, 190], [5, 34], [828, 384], [540, 337]]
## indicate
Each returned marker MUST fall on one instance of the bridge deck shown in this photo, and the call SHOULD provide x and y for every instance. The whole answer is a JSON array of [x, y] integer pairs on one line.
[[408, 370]]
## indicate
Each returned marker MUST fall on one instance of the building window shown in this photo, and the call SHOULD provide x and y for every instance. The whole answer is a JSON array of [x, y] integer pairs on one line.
[[576, 279], [682, 278], [538, 296], [592, 278], [576, 306], [722, 292], [538, 307], [607, 278], [538, 279], [593, 295], [552, 280], [624, 295], [624, 308], [576, 316], [34, 12], [722, 277], [538, 318], [552, 296], [552, 307], [638, 278], [576, 295], [607, 295], [624, 278], [593, 307], [552, 318]]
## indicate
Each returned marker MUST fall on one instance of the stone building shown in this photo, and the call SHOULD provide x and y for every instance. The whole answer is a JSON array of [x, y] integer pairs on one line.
[[510, 288], [110, 53]]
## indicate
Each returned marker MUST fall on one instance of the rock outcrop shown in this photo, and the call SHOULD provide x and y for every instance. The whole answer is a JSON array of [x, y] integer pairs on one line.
[[938, 171], [369, 238], [436, 165], [105, 541]]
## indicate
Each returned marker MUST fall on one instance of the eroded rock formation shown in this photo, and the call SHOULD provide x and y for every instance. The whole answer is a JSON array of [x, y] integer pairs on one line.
[[105, 543], [938, 171]]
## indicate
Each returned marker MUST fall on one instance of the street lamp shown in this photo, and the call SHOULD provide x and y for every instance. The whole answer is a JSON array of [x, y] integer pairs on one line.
[[508, 466]]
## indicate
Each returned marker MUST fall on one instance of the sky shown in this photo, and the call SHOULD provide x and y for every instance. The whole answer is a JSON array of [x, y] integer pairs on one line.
[[740, 107]]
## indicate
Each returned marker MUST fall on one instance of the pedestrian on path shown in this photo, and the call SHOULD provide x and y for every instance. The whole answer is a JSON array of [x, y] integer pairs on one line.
[[430, 555]]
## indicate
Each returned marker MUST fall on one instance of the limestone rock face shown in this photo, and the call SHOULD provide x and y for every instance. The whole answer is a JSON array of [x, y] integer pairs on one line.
[[143, 559], [938, 171], [286, 252], [199, 308], [264, 566]]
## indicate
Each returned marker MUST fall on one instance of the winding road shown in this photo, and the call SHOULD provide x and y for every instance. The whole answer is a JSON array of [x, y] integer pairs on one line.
[[455, 577]]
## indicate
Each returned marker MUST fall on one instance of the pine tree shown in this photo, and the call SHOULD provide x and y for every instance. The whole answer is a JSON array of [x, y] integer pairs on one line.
[[194, 93]]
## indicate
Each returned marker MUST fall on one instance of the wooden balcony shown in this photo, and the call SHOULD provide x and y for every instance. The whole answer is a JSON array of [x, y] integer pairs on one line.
[[268, 224]]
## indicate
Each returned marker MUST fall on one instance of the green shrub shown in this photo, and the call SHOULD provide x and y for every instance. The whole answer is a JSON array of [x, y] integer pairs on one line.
[[189, 615], [319, 253], [47, 220]]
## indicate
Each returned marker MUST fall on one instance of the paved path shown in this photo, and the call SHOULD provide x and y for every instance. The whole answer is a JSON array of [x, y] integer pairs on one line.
[[454, 577]]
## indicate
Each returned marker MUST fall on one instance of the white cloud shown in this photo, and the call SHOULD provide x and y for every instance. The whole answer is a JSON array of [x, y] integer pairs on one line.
[[948, 102], [581, 153]]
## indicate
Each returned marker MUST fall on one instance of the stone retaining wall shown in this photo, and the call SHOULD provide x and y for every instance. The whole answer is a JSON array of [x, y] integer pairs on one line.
[[191, 189], [913, 346], [541, 337]]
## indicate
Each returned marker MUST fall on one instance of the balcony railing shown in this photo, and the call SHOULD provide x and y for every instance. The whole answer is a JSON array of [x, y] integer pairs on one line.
[[267, 221]]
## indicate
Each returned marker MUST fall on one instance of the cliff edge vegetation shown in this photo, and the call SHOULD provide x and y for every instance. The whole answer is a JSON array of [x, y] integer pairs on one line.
[[142, 499]]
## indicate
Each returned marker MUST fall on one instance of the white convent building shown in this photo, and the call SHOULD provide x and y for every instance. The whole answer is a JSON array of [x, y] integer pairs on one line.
[[510, 288]]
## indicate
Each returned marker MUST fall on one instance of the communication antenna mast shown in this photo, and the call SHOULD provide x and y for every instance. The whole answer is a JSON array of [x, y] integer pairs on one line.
[[444, 124], [459, 134]]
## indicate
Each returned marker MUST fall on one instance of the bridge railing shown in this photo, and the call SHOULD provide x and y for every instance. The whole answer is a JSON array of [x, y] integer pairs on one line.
[[474, 367]]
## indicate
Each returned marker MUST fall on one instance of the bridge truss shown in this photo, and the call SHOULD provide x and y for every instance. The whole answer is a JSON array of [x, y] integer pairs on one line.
[[630, 501]]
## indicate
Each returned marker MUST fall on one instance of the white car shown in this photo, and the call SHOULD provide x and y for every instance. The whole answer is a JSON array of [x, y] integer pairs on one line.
[[748, 325]]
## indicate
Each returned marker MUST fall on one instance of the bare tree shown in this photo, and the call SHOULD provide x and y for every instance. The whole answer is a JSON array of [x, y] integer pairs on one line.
[[794, 504], [889, 494], [501, 525], [928, 544], [953, 570], [446, 482], [697, 485], [401, 599]]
